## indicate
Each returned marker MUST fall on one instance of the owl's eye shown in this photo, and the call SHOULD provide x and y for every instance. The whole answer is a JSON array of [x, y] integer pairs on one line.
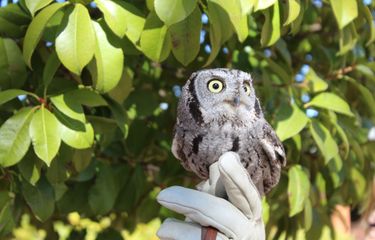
[[246, 88], [215, 86]]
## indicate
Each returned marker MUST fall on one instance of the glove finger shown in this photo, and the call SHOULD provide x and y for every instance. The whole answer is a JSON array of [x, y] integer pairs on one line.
[[205, 209], [240, 189], [173, 229]]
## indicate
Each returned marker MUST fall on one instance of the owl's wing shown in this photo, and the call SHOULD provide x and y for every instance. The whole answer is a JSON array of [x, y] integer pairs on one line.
[[275, 157]]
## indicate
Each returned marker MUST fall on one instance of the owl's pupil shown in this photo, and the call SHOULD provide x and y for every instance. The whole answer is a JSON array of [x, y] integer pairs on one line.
[[245, 88], [215, 86]]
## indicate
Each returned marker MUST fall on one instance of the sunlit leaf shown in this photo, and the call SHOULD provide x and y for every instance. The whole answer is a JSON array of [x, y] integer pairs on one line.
[[155, 39], [263, 4], [173, 11], [290, 121], [114, 16], [292, 11], [14, 137], [45, 134], [185, 37], [109, 61], [36, 29], [298, 189], [323, 138], [345, 11], [35, 5], [271, 28], [75, 45], [330, 101]]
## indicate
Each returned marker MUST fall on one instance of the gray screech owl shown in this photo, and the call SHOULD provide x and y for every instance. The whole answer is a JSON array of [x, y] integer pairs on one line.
[[218, 112]]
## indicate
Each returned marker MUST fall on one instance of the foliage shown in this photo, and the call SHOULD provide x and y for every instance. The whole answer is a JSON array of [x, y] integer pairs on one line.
[[89, 92]]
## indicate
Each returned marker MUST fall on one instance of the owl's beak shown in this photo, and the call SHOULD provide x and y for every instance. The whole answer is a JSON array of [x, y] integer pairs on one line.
[[236, 101]]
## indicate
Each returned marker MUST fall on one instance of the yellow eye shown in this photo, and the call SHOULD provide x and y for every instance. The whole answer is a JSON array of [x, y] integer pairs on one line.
[[215, 86], [246, 88]]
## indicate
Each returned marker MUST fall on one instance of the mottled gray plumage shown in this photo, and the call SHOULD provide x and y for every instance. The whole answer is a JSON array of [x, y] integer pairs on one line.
[[209, 124]]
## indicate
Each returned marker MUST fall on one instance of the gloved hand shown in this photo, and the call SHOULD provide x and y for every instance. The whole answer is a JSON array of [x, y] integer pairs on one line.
[[238, 218]]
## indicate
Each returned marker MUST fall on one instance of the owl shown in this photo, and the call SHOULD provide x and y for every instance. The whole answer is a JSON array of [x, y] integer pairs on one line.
[[218, 111]]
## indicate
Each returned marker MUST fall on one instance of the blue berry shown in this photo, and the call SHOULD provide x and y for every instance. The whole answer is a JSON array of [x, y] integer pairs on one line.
[[299, 78], [204, 18], [308, 57], [225, 50], [318, 3], [176, 90], [202, 36], [207, 48], [21, 97], [60, 1], [267, 53], [311, 113], [49, 44], [93, 5], [163, 106], [305, 69], [305, 98], [367, 2]]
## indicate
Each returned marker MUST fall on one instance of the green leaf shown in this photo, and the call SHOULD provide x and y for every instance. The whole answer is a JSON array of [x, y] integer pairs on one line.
[[57, 173], [185, 37], [109, 61], [290, 121], [345, 11], [82, 159], [238, 20], [366, 95], [263, 4], [12, 66], [103, 194], [30, 167], [8, 95], [365, 11], [155, 39], [7, 221], [114, 16], [40, 198], [36, 28], [324, 140], [69, 112], [314, 82], [52, 64], [86, 97], [271, 28], [294, 7], [173, 11], [247, 6], [14, 137], [330, 101], [45, 135], [298, 189], [221, 29], [78, 139], [75, 45], [35, 5], [119, 114], [124, 87]]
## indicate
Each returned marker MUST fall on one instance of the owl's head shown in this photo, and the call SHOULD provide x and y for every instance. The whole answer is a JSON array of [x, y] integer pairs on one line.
[[220, 95]]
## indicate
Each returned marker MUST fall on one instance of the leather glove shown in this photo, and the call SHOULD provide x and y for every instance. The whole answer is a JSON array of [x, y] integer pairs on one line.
[[238, 218]]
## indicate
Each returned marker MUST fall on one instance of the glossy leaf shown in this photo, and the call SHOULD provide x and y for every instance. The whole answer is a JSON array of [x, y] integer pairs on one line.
[[35, 5], [238, 20], [330, 101], [40, 199], [52, 64], [271, 28], [298, 189], [314, 82], [86, 97], [263, 4], [10, 94], [293, 11], [75, 45], [109, 61], [45, 134], [345, 11], [12, 67], [155, 39], [78, 139], [324, 140], [290, 121], [14, 137], [173, 11], [185, 37], [114, 16], [36, 28]]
